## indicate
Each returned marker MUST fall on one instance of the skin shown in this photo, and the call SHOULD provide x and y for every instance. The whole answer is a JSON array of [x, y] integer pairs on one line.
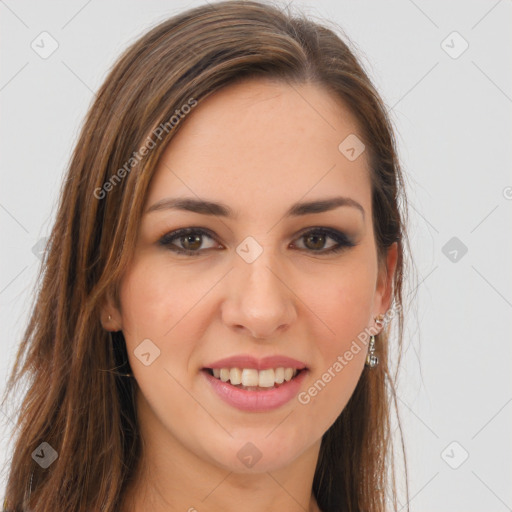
[[257, 146]]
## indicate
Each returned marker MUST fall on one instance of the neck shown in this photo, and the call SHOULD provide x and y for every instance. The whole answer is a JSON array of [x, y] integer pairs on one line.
[[229, 494]]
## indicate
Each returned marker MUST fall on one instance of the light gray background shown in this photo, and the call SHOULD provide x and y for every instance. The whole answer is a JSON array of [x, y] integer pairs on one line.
[[454, 129]]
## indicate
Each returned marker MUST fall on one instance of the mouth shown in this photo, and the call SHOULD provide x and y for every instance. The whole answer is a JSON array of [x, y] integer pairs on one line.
[[253, 390], [251, 379]]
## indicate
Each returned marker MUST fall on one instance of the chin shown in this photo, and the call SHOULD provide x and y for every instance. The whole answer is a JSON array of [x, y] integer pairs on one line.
[[258, 452]]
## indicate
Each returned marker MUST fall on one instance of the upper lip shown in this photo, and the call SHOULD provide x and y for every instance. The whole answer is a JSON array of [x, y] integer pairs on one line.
[[247, 361]]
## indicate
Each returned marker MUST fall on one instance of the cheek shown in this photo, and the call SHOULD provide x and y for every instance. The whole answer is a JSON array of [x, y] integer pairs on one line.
[[344, 305], [165, 305], [156, 300], [344, 302], [158, 304]]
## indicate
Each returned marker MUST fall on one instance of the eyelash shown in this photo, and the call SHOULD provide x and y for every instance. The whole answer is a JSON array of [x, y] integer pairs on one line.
[[343, 242]]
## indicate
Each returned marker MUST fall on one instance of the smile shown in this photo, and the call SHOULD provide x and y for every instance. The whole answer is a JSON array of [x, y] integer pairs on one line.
[[251, 379], [251, 396]]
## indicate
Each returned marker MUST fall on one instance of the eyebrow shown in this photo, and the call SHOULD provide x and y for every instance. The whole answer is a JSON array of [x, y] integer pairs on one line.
[[222, 210]]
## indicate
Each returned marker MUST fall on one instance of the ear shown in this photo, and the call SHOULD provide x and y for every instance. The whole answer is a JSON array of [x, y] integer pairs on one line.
[[110, 314], [384, 291]]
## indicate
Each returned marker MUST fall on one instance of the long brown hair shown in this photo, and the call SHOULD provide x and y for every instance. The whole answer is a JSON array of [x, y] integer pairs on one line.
[[76, 401]]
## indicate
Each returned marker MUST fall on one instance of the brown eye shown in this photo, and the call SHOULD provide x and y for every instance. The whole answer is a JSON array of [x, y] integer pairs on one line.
[[315, 240], [187, 241], [191, 242]]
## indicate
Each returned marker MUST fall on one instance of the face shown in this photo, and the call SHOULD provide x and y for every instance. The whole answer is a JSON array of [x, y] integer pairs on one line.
[[256, 278]]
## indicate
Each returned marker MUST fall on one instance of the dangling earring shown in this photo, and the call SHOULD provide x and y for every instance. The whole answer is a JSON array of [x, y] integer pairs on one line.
[[371, 359]]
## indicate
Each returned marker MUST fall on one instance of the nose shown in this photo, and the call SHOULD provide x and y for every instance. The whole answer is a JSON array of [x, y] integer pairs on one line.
[[259, 301]]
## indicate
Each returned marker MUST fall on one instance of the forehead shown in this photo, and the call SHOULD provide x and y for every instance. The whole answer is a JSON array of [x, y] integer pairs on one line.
[[261, 145]]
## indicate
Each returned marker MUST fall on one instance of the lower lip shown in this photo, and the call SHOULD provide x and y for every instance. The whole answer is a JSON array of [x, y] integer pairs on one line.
[[256, 401]]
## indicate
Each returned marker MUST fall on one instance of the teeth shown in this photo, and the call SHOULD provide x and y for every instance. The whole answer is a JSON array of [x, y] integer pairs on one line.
[[266, 378], [250, 377], [235, 376]]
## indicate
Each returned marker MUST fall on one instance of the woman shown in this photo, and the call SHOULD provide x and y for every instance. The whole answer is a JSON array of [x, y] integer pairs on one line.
[[213, 321]]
